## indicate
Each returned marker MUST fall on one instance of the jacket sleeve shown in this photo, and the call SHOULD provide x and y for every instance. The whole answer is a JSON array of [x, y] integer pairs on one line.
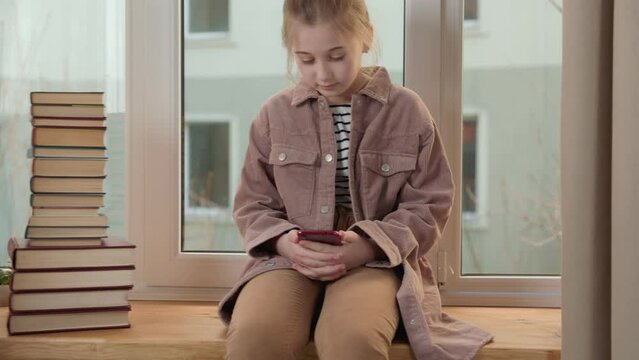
[[424, 205], [259, 211]]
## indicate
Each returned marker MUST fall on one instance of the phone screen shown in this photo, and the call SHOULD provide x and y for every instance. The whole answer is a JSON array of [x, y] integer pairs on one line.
[[327, 237]]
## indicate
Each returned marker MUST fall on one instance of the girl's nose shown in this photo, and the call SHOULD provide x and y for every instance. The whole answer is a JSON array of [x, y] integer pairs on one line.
[[323, 72]]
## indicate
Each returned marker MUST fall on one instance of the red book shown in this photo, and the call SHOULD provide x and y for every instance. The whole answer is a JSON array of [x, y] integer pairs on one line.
[[68, 320], [71, 268], [42, 302], [112, 253]]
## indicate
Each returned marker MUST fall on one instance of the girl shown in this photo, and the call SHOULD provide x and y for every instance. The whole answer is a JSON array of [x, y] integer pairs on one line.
[[345, 150]]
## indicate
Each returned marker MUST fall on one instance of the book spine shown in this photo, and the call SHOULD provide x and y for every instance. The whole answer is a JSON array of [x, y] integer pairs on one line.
[[103, 128], [66, 330], [109, 288], [103, 118], [76, 269], [72, 310]]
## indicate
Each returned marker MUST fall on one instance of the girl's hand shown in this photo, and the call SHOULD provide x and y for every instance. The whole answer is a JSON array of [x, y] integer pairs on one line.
[[358, 251], [355, 251], [321, 265]]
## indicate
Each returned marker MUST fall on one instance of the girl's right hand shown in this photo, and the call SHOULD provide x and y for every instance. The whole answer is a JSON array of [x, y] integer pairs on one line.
[[323, 266]]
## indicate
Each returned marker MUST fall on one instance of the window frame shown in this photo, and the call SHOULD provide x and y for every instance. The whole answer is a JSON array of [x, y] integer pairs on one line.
[[153, 138], [434, 33]]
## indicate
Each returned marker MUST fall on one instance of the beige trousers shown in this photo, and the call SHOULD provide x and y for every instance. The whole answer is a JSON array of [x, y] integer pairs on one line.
[[354, 317]]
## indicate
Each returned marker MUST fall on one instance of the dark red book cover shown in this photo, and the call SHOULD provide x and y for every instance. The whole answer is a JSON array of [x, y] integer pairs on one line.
[[69, 312]]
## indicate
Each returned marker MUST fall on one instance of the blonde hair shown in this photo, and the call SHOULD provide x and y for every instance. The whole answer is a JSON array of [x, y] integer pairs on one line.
[[348, 17]]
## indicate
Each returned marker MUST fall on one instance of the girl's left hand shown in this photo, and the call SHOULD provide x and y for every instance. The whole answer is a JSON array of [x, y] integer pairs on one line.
[[355, 251]]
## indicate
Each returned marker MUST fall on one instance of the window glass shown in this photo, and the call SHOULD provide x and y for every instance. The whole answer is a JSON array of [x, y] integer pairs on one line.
[[230, 81], [58, 45], [512, 77]]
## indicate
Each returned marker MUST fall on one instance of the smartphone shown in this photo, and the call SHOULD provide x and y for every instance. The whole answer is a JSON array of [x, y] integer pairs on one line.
[[327, 237]]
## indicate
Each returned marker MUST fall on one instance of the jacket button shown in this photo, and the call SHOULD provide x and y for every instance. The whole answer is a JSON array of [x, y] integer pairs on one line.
[[413, 321], [325, 209], [281, 157], [328, 157], [386, 168]]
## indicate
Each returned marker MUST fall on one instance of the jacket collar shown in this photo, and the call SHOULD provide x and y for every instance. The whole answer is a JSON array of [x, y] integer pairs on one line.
[[377, 88]]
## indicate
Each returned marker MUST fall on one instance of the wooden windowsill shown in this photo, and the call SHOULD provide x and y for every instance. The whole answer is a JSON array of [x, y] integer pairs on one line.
[[192, 330]]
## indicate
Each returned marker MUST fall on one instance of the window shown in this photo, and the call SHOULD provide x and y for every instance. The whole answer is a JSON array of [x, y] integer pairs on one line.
[[512, 73], [193, 106], [209, 161], [224, 82], [59, 46], [207, 172], [470, 10], [206, 19], [498, 72], [474, 179]]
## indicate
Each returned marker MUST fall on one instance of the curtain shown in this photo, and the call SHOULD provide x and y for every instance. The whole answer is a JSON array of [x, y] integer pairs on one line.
[[600, 180]]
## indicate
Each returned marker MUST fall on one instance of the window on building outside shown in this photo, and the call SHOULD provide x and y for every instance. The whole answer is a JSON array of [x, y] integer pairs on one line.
[[469, 166], [207, 18], [470, 10]]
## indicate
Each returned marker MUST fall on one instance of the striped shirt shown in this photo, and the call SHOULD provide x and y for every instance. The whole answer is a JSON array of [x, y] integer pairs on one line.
[[342, 126]]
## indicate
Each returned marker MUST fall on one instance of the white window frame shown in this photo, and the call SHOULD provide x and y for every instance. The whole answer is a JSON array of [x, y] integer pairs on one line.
[[211, 35], [434, 31], [153, 164]]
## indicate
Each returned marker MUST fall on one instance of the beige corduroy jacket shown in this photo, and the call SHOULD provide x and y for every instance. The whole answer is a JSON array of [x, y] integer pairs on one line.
[[401, 187]]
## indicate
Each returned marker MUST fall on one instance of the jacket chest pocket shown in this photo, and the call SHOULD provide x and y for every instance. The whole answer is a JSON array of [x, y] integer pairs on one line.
[[383, 175], [294, 174]]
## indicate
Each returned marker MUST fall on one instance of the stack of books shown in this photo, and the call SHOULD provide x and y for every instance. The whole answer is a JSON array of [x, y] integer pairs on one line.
[[68, 274]]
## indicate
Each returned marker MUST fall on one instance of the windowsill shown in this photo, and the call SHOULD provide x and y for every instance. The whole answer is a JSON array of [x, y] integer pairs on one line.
[[181, 330]]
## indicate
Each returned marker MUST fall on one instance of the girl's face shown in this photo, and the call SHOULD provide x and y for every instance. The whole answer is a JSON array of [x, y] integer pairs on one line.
[[328, 63]]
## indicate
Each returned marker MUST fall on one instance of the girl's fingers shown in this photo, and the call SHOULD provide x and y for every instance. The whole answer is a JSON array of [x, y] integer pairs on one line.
[[326, 273], [312, 263], [312, 259], [305, 251], [319, 247]]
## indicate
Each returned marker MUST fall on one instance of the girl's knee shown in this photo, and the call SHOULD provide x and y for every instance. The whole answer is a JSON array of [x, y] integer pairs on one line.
[[353, 342], [258, 339]]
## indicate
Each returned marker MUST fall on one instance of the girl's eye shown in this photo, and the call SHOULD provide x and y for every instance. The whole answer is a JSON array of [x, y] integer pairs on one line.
[[337, 58], [306, 61]]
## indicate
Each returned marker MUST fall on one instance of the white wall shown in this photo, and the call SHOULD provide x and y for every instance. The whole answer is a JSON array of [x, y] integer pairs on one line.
[[514, 33]]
